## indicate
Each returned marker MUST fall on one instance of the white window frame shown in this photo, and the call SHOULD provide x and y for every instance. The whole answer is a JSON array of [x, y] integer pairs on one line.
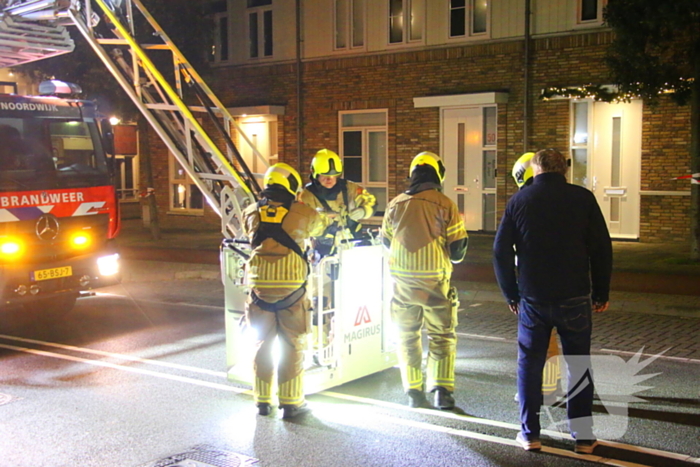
[[348, 10], [580, 142], [597, 21], [173, 164], [260, 12], [366, 130], [469, 21], [217, 45], [408, 7], [123, 193]]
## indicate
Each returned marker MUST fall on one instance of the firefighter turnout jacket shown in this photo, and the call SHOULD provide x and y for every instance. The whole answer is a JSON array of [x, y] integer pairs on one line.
[[275, 270], [351, 204]]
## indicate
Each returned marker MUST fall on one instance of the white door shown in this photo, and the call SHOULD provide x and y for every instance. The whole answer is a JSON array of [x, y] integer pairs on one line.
[[469, 154], [615, 165], [258, 132]]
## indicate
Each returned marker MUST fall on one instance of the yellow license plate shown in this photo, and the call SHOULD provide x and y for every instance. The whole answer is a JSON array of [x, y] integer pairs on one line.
[[53, 273]]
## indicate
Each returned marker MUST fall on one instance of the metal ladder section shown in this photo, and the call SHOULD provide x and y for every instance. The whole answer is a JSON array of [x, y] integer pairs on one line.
[[24, 40], [223, 178]]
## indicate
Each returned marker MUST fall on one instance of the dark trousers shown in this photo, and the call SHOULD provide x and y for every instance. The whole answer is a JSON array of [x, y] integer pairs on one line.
[[572, 319]]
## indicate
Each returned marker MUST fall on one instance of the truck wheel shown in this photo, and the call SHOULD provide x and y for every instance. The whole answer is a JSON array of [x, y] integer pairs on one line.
[[55, 306]]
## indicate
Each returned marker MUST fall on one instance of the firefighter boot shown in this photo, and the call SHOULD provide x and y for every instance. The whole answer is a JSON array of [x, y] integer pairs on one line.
[[443, 399], [416, 399], [264, 408], [291, 411]]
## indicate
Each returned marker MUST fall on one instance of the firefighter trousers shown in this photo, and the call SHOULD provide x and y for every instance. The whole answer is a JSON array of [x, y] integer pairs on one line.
[[288, 326], [429, 302]]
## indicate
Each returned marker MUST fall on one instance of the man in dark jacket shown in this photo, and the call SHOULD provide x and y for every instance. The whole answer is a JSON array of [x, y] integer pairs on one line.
[[564, 266]]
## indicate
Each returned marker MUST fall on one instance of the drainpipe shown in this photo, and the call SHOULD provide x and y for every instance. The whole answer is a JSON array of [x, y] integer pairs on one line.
[[526, 79], [300, 126]]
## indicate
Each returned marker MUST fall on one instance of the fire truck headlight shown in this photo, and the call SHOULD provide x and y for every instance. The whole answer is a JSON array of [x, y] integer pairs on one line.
[[80, 240], [10, 248], [108, 265]]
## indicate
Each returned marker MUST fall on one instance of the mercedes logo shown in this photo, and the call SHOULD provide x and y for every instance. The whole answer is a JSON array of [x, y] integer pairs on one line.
[[47, 227]]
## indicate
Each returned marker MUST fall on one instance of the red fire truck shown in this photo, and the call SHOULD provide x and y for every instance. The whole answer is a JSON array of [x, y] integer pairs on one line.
[[58, 210]]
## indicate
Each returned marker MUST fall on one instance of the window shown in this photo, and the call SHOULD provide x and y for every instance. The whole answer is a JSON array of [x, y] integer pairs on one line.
[[489, 139], [184, 194], [127, 162], [590, 11], [363, 147], [468, 18], [349, 23], [579, 142], [406, 19], [127, 178], [219, 51], [260, 28]]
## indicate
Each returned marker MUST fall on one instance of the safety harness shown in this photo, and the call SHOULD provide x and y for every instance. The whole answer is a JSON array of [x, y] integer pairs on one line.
[[271, 217]]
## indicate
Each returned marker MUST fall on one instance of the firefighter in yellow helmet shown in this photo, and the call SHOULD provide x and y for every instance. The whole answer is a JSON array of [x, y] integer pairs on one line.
[[551, 375], [278, 227], [425, 234], [342, 203]]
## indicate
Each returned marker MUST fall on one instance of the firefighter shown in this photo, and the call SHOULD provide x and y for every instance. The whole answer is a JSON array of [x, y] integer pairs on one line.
[[342, 203], [551, 375], [425, 234], [278, 226]]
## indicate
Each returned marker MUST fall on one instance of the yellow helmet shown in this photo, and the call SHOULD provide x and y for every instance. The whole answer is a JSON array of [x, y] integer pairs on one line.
[[431, 159], [326, 162], [283, 174], [522, 170]]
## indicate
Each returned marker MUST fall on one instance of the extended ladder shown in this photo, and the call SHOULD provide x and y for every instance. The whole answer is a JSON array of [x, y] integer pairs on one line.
[[224, 179]]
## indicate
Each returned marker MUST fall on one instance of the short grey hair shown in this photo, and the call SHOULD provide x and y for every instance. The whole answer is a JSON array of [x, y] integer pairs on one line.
[[550, 160]]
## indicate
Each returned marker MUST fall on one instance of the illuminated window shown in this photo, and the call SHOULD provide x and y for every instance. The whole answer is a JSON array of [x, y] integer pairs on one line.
[[406, 21], [349, 24], [260, 28], [184, 194], [469, 18], [363, 147]]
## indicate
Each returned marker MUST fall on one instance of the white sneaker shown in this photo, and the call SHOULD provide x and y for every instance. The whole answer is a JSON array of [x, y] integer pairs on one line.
[[528, 445]]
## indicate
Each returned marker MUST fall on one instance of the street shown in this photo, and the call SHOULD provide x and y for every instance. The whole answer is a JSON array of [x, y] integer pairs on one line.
[[135, 377]]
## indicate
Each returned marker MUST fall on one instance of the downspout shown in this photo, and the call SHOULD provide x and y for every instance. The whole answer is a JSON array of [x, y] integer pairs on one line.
[[300, 126], [526, 79]]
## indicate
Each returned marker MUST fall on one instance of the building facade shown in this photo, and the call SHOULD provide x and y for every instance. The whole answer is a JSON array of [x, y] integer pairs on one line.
[[379, 81]]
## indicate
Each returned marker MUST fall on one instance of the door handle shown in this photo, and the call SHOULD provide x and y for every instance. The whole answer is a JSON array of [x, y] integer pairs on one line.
[[595, 182]]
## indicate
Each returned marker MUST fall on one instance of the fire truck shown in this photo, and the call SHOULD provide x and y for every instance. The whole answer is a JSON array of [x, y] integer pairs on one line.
[[58, 211], [351, 335]]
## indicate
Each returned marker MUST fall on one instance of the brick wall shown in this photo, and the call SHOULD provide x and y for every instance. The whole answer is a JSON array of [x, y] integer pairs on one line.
[[391, 81]]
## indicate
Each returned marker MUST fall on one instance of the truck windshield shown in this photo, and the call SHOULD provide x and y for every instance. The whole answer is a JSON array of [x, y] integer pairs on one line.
[[43, 154]]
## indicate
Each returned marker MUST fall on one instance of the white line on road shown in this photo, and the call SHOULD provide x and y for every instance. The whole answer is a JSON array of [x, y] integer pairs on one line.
[[678, 359], [131, 369], [221, 374]]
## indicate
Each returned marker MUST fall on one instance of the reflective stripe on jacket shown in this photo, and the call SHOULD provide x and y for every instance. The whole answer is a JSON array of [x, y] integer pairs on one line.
[[420, 228]]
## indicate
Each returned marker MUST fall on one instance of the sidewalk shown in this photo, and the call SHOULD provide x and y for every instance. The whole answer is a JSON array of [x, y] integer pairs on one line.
[[655, 268]]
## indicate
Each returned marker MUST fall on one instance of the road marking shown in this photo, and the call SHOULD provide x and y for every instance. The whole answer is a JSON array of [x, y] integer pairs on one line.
[[678, 359], [336, 395], [160, 302], [116, 355], [116, 366]]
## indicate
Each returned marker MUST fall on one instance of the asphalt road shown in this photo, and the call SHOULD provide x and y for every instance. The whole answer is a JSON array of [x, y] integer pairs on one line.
[[134, 377]]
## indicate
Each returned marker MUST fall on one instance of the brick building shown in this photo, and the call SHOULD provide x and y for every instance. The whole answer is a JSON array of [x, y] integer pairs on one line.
[[379, 81]]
